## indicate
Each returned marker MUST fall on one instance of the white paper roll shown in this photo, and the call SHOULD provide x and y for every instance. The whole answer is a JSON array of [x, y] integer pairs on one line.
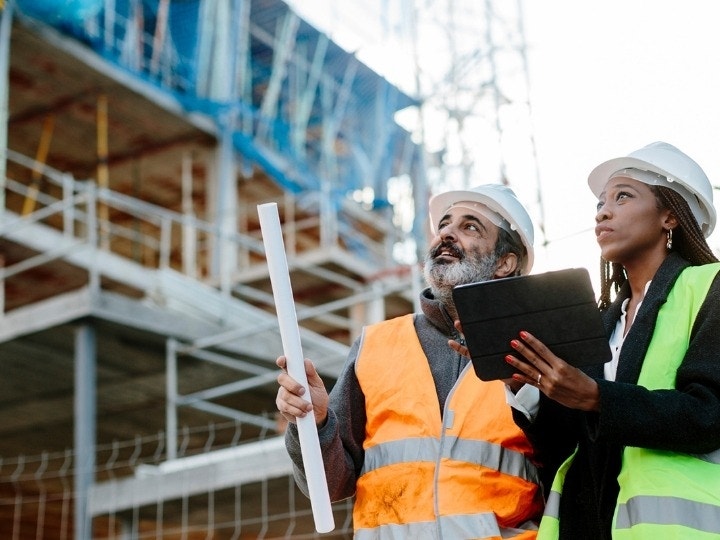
[[290, 335]]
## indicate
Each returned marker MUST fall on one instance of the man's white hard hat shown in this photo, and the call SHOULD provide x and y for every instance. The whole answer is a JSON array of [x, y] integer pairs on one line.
[[500, 200], [677, 171]]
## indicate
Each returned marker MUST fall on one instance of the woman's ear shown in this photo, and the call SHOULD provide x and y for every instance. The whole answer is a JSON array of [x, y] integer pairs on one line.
[[670, 221], [507, 265]]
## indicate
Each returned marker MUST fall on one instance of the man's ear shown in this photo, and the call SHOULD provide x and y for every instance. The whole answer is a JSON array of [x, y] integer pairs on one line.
[[507, 265]]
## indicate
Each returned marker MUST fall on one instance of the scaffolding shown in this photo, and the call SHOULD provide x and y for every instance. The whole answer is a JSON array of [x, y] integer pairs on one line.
[[139, 334], [466, 61]]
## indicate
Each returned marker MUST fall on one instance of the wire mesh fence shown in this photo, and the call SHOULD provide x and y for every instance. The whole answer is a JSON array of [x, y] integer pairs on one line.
[[38, 498]]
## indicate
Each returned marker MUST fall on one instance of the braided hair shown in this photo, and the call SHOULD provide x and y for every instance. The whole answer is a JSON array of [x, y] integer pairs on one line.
[[688, 240]]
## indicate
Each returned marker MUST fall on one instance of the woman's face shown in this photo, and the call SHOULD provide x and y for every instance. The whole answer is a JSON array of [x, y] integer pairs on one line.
[[629, 224]]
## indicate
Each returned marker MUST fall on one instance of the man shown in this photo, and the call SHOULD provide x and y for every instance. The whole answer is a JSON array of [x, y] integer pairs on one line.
[[428, 449]]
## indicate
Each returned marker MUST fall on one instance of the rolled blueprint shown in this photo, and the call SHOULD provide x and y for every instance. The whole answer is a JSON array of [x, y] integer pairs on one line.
[[290, 335]]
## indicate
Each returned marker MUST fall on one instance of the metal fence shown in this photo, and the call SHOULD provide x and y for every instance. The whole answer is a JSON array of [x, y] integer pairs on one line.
[[37, 497]]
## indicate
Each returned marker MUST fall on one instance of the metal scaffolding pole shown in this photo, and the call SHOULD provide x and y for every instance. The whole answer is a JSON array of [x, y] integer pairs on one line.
[[85, 426], [5, 31]]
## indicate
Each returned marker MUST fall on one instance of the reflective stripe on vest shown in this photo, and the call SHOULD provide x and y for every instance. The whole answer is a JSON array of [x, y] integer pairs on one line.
[[466, 474], [427, 449], [550, 522], [454, 527], [670, 511], [664, 494]]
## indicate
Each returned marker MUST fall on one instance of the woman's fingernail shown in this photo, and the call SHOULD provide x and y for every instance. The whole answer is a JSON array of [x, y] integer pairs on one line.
[[523, 334], [514, 343]]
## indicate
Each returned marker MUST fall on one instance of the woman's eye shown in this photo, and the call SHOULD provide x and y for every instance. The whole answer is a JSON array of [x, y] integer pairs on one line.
[[622, 195]]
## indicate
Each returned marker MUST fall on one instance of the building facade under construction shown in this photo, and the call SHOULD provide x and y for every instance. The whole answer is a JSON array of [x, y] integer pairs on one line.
[[139, 330]]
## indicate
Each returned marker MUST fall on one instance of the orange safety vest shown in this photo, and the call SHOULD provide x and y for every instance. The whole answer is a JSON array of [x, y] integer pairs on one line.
[[468, 474]]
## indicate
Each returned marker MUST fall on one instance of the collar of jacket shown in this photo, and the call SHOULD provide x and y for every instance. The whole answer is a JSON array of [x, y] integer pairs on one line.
[[638, 339], [436, 313]]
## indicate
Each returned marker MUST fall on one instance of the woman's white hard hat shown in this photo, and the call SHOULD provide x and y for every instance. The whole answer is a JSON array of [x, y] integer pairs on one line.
[[499, 199], [677, 171]]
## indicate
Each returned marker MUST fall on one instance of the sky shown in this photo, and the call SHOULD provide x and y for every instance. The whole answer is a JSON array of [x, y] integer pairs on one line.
[[606, 78]]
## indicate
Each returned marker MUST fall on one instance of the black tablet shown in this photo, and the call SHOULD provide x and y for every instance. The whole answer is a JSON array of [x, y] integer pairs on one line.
[[558, 307]]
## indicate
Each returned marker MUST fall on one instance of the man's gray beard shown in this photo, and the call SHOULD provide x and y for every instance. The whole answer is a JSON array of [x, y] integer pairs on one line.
[[442, 277]]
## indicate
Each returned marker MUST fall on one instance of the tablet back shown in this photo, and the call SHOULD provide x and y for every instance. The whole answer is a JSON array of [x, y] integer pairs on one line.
[[558, 307]]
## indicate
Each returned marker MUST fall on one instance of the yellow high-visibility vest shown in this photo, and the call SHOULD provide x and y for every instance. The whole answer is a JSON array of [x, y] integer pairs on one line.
[[663, 495], [670, 495]]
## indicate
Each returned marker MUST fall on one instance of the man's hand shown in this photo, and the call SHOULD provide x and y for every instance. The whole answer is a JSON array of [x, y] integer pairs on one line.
[[461, 349], [290, 401]]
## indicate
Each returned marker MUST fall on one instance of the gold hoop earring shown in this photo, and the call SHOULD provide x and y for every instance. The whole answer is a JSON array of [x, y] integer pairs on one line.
[[668, 244]]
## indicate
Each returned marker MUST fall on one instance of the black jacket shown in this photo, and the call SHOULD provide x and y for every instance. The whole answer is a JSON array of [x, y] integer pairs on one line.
[[686, 419]]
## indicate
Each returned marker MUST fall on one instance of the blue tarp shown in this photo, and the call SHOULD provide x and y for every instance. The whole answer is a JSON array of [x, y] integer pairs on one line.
[[61, 12], [357, 137]]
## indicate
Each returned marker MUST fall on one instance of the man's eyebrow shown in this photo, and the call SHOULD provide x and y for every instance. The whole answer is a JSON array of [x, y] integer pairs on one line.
[[466, 217]]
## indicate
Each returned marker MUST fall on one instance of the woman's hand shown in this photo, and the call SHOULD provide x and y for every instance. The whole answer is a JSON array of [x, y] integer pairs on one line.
[[553, 376]]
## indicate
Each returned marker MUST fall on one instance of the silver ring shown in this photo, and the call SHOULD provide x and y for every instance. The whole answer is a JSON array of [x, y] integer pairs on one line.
[[539, 377]]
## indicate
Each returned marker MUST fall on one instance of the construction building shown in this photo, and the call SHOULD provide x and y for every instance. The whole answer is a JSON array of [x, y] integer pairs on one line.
[[139, 330]]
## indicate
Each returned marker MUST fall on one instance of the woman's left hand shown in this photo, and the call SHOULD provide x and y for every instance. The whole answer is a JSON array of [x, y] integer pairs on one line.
[[554, 377]]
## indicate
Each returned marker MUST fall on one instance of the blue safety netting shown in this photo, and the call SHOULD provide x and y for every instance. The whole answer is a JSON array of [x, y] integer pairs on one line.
[[367, 147]]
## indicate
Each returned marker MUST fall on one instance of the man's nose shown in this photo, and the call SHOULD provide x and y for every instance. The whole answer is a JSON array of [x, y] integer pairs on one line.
[[448, 232]]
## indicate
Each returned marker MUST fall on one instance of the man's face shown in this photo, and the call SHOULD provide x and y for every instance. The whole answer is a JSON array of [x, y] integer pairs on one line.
[[462, 251]]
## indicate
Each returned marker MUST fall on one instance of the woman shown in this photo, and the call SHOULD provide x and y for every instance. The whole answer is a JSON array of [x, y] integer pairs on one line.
[[646, 425]]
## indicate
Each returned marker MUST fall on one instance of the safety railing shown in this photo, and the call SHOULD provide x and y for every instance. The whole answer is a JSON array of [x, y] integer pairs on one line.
[[71, 219]]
